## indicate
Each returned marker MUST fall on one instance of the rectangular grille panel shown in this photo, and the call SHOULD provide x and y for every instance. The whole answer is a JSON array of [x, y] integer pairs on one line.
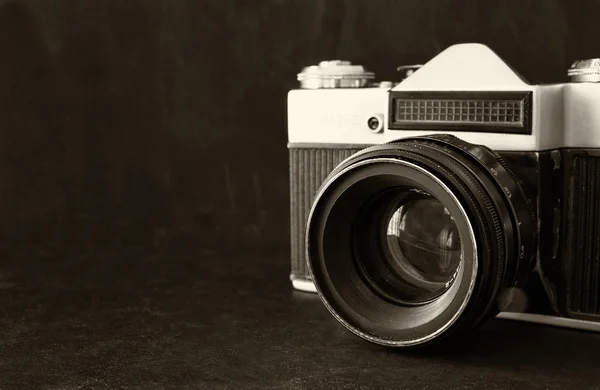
[[308, 169], [584, 283], [490, 111], [498, 112]]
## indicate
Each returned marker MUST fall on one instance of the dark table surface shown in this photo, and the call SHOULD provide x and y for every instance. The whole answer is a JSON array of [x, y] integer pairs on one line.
[[137, 319]]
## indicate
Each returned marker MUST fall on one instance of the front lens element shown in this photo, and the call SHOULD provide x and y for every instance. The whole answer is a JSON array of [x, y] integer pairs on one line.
[[423, 245], [407, 244]]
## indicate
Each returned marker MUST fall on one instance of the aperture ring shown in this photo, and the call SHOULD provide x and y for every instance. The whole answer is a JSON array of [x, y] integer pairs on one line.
[[521, 205]]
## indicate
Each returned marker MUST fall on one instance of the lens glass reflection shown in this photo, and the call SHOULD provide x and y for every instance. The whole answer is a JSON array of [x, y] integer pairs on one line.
[[422, 245]]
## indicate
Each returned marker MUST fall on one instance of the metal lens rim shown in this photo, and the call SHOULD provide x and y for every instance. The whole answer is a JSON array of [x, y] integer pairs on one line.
[[471, 240]]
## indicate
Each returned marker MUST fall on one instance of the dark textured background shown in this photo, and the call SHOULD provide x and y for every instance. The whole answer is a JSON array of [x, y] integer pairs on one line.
[[142, 145], [163, 123]]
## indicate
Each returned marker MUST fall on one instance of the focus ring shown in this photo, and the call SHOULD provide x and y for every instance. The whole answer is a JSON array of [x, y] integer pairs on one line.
[[512, 187]]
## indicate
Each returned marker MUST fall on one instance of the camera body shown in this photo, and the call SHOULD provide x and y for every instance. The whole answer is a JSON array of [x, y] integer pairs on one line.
[[545, 139]]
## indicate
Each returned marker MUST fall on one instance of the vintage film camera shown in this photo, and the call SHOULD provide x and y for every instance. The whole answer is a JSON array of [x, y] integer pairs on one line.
[[421, 209]]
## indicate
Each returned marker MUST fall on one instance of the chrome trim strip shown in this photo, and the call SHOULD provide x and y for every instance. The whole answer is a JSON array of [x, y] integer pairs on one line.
[[561, 322], [304, 285]]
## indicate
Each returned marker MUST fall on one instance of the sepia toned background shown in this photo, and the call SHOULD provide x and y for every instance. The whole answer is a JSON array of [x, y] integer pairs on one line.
[[162, 124], [144, 239]]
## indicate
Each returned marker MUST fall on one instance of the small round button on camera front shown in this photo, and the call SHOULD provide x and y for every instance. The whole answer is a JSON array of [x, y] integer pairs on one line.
[[375, 123]]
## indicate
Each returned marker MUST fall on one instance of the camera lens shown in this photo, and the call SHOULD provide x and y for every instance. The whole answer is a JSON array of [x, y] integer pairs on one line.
[[411, 242]]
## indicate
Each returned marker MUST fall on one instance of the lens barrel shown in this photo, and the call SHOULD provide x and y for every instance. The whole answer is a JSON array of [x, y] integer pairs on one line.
[[413, 241]]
